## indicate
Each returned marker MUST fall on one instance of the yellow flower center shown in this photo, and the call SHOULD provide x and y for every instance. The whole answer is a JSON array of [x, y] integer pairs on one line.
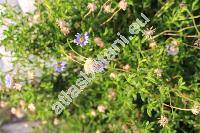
[[81, 39]]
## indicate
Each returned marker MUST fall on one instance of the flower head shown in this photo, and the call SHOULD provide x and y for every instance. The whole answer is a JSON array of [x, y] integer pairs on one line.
[[111, 93], [63, 27], [107, 8], [163, 121], [127, 67], [92, 66], [113, 75], [60, 66], [2, 29], [172, 49], [3, 104], [158, 72], [149, 32], [81, 40], [99, 42], [123, 5], [30, 75], [152, 44], [196, 109], [197, 43], [8, 81], [2, 9], [17, 86], [93, 113], [88, 66], [91, 6], [101, 108], [31, 107], [56, 121]]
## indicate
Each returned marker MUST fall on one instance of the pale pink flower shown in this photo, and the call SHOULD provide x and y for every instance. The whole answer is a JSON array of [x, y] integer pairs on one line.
[[91, 6], [31, 107], [123, 5], [101, 108], [107, 9], [93, 113]]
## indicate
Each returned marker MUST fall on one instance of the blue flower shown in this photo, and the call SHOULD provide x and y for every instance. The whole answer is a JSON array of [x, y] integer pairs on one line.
[[8, 81], [81, 40], [60, 67]]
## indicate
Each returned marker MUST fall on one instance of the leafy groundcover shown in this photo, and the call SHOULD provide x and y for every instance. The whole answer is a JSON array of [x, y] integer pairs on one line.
[[150, 84]]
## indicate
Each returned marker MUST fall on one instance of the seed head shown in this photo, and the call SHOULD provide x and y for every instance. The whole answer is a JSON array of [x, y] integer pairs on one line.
[[196, 109], [63, 27], [99, 42], [163, 121], [92, 7], [123, 5], [101, 108], [107, 9]]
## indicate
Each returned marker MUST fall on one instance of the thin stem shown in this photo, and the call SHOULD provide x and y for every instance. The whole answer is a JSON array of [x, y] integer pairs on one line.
[[180, 30], [118, 69], [176, 107], [191, 46], [70, 57], [190, 18], [102, 7], [111, 17], [182, 96], [186, 36], [87, 14], [193, 21], [189, 27], [76, 52]]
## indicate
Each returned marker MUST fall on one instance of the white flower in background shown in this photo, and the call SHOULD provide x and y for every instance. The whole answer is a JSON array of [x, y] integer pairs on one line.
[[113, 75], [158, 72], [8, 22], [93, 113], [3, 104], [17, 112], [6, 60], [27, 6], [12, 3], [31, 107], [2, 9], [22, 104], [56, 121], [111, 93], [2, 29], [101, 108], [30, 75], [17, 86]]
